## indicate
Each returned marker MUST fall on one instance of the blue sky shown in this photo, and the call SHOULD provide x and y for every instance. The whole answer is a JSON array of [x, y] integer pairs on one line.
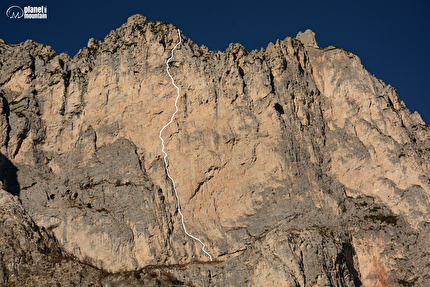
[[391, 37]]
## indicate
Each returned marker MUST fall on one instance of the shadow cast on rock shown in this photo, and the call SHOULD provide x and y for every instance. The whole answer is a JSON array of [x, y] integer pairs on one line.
[[8, 175]]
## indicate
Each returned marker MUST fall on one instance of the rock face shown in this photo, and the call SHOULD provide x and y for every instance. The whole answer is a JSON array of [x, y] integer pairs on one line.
[[307, 38], [293, 164]]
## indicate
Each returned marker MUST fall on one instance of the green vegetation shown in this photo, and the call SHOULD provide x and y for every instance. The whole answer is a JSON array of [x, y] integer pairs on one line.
[[103, 274], [323, 230], [130, 44], [20, 114], [118, 183], [102, 210], [50, 57], [407, 283], [375, 208], [157, 26], [364, 204], [55, 71], [330, 48], [388, 219], [27, 187]]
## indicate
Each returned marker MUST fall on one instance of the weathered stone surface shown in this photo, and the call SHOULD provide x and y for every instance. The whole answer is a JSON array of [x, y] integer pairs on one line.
[[31, 256], [293, 164], [307, 38]]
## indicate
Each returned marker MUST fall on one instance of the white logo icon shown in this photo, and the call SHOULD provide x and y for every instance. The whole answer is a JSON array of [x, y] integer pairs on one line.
[[14, 12]]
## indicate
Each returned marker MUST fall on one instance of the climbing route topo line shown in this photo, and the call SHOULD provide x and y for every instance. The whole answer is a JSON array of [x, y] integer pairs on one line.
[[165, 154]]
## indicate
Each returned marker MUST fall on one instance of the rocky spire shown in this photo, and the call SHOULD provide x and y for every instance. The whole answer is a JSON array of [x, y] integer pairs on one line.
[[307, 38]]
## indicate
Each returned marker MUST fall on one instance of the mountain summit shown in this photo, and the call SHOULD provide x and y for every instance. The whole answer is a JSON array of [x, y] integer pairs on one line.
[[293, 164]]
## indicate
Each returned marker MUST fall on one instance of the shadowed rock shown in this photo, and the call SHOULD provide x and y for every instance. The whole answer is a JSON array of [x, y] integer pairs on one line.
[[8, 176]]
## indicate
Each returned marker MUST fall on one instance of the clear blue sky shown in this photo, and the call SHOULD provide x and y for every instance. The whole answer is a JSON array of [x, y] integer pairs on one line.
[[391, 37]]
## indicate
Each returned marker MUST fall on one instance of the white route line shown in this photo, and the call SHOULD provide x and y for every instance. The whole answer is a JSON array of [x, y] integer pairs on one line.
[[165, 154]]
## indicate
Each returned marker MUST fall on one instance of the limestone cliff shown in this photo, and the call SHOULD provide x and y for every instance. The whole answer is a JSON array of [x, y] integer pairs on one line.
[[293, 164]]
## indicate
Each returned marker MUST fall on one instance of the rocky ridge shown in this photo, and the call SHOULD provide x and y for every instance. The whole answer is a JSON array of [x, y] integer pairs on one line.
[[294, 165]]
